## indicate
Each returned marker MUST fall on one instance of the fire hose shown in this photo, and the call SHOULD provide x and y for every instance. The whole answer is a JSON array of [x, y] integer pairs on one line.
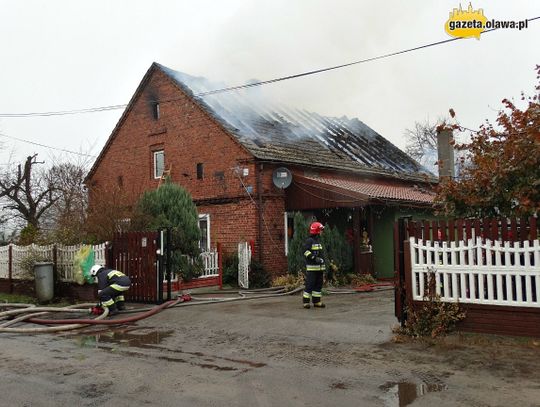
[[184, 300]]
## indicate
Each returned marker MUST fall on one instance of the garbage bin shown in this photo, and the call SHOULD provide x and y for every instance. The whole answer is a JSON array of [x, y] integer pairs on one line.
[[44, 277]]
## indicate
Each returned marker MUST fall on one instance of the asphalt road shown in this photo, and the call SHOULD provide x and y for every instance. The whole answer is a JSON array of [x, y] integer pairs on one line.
[[266, 353]]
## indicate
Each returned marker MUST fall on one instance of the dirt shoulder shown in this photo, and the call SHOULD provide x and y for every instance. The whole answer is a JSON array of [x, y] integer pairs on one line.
[[266, 353]]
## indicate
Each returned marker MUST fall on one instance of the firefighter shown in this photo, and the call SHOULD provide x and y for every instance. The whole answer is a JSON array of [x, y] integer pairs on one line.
[[313, 253], [111, 286]]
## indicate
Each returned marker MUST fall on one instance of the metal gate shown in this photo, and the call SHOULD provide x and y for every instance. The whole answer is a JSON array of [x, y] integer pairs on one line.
[[244, 260], [136, 255]]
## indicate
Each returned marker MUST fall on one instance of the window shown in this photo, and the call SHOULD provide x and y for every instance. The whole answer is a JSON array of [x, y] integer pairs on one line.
[[155, 110], [204, 226], [159, 163], [200, 171]]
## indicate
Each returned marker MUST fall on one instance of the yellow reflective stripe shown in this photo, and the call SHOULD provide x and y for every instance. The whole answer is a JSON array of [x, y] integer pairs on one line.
[[119, 298], [119, 287], [307, 253], [316, 247], [108, 303], [316, 267], [114, 273], [307, 295], [316, 294]]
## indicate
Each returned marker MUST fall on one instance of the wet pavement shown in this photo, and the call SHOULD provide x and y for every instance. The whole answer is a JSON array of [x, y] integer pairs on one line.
[[264, 353]]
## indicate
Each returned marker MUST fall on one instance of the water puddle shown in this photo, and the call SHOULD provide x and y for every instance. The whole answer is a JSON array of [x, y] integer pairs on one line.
[[401, 394], [127, 337]]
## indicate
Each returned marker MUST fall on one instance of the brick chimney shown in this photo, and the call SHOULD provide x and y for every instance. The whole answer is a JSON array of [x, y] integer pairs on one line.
[[445, 153]]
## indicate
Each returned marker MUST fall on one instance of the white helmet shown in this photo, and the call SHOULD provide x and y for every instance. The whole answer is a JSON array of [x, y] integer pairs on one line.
[[95, 268]]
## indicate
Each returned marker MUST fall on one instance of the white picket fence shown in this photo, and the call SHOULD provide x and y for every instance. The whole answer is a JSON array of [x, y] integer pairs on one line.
[[211, 266], [477, 272], [65, 259]]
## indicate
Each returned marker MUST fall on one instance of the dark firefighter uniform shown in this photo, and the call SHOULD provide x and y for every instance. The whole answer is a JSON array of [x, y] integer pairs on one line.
[[313, 253], [111, 286]]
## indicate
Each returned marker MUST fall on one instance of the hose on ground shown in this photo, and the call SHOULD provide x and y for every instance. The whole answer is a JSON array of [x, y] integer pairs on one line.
[[68, 324], [116, 321], [74, 323], [52, 329]]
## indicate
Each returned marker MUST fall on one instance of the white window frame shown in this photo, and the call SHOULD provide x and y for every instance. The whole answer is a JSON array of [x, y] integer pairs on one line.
[[155, 161], [206, 216]]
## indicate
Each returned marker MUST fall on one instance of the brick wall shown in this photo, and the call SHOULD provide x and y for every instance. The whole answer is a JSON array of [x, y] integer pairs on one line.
[[188, 136]]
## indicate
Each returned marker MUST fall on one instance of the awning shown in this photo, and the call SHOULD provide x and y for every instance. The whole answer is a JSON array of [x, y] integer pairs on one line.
[[320, 192]]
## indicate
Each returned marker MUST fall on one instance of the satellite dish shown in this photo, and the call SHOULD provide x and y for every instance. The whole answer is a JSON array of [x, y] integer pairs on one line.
[[282, 177]]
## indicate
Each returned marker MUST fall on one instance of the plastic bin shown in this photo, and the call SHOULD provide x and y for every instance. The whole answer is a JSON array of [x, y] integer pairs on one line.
[[44, 278]]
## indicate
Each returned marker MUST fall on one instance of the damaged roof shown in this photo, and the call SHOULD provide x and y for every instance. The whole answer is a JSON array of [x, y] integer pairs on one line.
[[274, 132]]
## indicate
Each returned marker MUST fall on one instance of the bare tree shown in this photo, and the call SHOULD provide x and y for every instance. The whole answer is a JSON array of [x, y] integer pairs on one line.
[[65, 220], [29, 193], [422, 140]]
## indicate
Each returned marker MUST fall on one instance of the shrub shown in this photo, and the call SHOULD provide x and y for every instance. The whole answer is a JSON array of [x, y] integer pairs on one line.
[[363, 279], [434, 317], [295, 258], [289, 281], [338, 254], [28, 262], [171, 206], [230, 269], [258, 276]]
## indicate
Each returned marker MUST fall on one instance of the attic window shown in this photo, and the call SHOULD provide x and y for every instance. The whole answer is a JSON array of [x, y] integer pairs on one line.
[[200, 170], [155, 110]]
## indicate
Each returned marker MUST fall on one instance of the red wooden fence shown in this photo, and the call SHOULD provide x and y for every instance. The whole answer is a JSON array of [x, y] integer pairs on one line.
[[512, 230], [134, 254]]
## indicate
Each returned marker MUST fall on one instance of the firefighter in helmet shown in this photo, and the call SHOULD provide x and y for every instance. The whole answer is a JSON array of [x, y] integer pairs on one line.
[[313, 254], [111, 287]]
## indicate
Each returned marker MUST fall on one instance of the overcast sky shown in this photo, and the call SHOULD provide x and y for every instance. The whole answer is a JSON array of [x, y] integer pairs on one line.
[[62, 55]]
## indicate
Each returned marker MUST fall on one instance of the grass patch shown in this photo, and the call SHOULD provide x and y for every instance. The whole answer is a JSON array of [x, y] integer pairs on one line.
[[17, 298]]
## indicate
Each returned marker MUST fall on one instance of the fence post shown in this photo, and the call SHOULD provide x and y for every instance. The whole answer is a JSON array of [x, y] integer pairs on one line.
[[109, 262], [55, 264], [220, 265], [10, 267], [408, 276]]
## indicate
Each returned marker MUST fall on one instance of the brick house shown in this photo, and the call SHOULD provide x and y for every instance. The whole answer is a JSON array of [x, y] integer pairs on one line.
[[225, 148]]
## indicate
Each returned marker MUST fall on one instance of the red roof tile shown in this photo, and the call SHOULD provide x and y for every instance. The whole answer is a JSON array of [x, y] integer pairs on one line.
[[380, 190]]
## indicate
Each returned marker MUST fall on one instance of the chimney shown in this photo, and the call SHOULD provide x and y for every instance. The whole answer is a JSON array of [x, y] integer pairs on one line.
[[445, 153]]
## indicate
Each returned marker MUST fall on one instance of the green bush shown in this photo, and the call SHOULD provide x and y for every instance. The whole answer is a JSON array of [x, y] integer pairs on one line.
[[338, 255], [230, 269], [258, 276], [171, 206], [295, 258], [434, 318]]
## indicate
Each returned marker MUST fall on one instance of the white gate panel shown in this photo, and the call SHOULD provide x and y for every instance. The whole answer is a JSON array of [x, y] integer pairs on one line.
[[244, 260]]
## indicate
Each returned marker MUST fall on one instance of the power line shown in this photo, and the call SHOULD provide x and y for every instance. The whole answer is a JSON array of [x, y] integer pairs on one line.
[[65, 112], [250, 85], [284, 78], [46, 146]]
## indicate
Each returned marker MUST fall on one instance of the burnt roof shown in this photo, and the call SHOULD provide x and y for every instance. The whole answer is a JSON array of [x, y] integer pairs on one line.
[[275, 132]]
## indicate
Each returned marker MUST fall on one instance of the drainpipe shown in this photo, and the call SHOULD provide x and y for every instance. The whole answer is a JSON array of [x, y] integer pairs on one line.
[[260, 208]]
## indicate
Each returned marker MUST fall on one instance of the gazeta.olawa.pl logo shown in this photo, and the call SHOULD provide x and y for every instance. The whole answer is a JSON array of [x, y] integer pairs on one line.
[[471, 23]]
